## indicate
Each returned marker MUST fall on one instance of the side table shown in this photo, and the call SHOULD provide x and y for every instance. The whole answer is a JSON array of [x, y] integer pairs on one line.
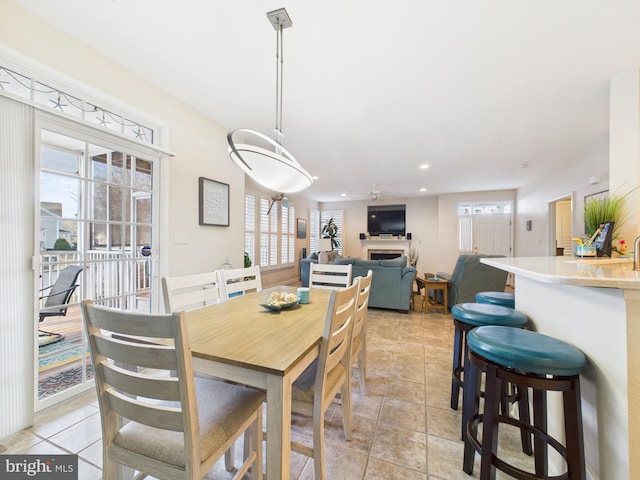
[[431, 299]]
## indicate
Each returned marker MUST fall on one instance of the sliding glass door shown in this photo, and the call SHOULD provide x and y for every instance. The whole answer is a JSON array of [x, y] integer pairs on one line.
[[95, 233]]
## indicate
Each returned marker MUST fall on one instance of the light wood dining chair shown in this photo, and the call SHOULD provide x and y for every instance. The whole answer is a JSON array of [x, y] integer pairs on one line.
[[237, 281], [167, 427], [359, 341], [329, 275], [188, 292], [314, 390]]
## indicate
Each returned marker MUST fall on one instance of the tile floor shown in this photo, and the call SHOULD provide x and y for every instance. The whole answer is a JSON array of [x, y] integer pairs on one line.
[[404, 427]]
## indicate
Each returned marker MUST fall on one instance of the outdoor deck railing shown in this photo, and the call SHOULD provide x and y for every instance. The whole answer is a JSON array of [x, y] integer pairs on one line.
[[114, 279]]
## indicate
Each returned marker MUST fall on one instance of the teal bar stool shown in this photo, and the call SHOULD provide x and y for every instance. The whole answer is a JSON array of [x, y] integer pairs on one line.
[[533, 361], [497, 298], [470, 315]]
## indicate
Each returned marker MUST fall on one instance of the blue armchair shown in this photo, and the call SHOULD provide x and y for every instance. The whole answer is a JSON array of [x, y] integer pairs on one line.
[[470, 276]]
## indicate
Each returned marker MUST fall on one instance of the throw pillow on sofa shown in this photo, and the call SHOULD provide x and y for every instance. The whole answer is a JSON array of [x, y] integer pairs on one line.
[[327, 257]]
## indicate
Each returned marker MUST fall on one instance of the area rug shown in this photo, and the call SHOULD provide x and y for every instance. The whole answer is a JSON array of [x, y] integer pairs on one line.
[[61, 381], [47, 338], [57, 354]]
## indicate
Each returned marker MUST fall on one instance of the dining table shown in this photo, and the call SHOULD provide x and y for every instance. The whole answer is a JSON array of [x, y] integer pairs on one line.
[[241, 341]]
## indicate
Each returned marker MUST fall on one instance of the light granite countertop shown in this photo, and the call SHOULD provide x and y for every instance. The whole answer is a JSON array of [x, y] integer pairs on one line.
[[566, 270]]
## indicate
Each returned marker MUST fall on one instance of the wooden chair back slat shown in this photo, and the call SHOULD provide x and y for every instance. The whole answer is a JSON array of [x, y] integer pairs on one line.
[[240, 280], [145, 355], [330, 275], [132, 383], [191, 291], [159, 416]]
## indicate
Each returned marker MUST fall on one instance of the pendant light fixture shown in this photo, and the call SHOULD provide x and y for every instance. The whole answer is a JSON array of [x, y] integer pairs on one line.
[[260, 157]]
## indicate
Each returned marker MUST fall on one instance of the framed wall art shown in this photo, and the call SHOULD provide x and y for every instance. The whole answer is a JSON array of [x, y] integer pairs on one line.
[[214, 202], [301, 228]]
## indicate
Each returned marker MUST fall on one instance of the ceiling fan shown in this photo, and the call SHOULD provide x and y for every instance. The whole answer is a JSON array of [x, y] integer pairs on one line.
[[374, 193], [280, 197]]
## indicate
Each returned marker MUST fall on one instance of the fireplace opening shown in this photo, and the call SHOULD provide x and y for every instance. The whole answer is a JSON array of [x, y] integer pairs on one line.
[[383, 255]]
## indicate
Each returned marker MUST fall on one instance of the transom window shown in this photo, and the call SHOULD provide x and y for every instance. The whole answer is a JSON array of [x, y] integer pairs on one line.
[[28, 87]]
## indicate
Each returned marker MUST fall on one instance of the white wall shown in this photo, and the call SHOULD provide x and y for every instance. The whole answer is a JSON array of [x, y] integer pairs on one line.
[[624, 146], [533, 199], [421, 218], [432, 220]]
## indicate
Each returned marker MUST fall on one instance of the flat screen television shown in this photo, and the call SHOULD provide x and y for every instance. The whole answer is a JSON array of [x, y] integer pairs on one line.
[[390, 219]]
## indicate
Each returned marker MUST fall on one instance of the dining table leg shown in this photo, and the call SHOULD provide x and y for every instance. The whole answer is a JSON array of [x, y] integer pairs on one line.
[[278, 427]]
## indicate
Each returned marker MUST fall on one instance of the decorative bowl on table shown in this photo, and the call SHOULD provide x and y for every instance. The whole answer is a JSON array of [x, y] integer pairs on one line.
[[280, 301]]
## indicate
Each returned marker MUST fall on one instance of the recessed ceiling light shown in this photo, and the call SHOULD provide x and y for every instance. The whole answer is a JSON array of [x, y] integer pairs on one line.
[[423, 189], [343, 194], [424, 166], [315, 177]]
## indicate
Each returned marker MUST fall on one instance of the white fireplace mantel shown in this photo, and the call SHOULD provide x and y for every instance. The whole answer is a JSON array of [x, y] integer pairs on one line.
[[385, 245]]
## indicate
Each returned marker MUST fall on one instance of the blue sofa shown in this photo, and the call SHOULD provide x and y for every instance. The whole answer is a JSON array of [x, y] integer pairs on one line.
[[392, 283]]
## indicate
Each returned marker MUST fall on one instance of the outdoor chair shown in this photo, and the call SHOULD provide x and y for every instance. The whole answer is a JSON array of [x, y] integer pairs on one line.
[[169, 427], [56, 301]]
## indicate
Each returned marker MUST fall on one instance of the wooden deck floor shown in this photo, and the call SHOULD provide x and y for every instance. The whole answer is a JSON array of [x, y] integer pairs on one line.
[[70, 325]]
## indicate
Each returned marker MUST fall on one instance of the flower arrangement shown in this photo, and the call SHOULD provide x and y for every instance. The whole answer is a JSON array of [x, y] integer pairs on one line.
[[621, 247]]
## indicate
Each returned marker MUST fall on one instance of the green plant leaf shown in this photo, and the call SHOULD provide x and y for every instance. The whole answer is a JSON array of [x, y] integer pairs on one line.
[[607, 209]]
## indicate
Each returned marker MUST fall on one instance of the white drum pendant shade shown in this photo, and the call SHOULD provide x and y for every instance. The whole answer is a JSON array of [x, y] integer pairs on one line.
[[275, 169]]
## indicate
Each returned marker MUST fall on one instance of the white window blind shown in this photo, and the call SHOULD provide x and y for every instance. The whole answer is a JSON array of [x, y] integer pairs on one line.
[[287, 235], [250, 227], [16, 278], [314, 229], [268, 234], [269, 239]]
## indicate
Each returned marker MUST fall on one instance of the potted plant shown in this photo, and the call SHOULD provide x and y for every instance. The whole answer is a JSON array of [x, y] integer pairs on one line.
[[611, 208], [330, 230]]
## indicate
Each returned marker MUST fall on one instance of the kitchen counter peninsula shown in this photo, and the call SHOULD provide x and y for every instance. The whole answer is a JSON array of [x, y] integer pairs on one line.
[[594, 304]]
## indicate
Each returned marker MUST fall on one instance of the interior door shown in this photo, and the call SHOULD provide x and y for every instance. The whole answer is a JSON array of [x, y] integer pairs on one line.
[[563, 227]]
